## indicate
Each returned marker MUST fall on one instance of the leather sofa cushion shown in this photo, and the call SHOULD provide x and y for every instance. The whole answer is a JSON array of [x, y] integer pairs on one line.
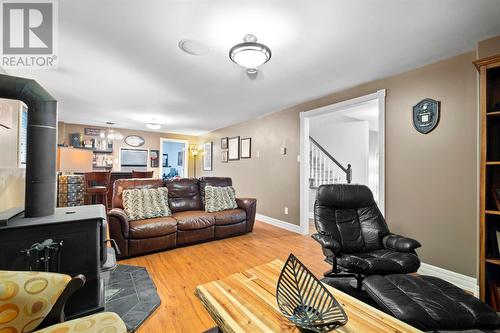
[[123, 184], [213, 181], [229, 216], [183, 194], [152, 227], [430, 303], [379, 262], [194, 219]]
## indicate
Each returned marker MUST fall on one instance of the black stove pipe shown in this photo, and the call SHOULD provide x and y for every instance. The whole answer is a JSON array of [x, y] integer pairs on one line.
[[40, 197]]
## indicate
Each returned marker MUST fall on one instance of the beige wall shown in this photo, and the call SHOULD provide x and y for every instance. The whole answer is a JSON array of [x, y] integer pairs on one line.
[[12, 178], [431, 180], [152, 141], [488, 47]]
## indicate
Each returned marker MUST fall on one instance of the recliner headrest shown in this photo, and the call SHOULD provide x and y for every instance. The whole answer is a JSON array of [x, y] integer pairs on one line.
[[344, 196]]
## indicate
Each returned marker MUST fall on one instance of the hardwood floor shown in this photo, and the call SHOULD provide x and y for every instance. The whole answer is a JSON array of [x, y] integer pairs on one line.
[[177, 272]]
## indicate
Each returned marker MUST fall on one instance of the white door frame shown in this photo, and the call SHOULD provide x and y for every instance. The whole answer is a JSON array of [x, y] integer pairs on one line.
[[186, 151], [305, 117]]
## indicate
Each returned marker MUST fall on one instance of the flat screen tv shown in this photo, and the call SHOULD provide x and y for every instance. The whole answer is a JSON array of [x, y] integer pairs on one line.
[[134, 157]]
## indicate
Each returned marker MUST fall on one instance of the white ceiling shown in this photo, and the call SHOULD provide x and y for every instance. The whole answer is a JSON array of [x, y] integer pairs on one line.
[[119, 60]]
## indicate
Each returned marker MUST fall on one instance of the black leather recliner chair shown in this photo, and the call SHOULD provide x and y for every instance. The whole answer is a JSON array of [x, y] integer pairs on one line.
[[354, 235]]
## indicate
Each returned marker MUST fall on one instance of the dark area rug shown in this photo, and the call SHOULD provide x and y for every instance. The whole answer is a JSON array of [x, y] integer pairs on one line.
[[131, 294]]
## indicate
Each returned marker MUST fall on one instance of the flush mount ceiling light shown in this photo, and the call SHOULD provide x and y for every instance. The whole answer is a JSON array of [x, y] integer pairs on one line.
[[153, 126], [193, 47], [250, 54]]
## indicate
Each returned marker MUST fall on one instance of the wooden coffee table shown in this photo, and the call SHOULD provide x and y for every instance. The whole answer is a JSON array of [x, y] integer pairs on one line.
[[246, 302]]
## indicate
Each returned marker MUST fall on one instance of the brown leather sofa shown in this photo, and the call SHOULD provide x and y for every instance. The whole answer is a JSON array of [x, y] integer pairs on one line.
[[189, 222]]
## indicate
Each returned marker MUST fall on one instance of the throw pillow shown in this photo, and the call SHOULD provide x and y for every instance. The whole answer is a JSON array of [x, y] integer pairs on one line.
[[219, 198], [146, 203]]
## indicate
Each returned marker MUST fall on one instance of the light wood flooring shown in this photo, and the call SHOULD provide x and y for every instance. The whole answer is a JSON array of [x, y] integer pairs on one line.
[[177, 272]]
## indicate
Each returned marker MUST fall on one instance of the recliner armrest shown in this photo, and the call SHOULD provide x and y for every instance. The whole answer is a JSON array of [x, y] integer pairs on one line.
[[328, 242], [118, 215], [249, 205], [399, 243]]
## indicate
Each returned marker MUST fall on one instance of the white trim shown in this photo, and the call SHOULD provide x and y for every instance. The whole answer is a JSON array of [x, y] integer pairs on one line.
[[186, 152], [280, 224], [381, 147], [304, 149], [464, 282], [311, 215]]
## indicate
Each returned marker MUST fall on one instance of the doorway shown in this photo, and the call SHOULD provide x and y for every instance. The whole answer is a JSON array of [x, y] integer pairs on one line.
[[173, 158], [342, 143]]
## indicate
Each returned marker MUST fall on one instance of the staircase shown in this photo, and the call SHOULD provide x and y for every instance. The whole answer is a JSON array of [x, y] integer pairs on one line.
[[324, 168]]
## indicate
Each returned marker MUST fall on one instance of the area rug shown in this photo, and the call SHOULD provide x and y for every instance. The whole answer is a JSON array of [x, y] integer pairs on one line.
[[131, 294]]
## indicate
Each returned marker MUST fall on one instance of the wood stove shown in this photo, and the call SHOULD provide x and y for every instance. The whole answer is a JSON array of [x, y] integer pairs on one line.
[[82, 230]]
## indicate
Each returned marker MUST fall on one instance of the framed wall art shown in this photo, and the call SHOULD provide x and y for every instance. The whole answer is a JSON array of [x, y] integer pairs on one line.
[[223, 143], [134, 140], [224, 156], [234, 148], [207, 156], [246, 148], [154, 158]]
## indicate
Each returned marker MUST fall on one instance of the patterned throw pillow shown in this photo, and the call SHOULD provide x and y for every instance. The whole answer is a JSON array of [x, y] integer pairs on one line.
[[219, 198], [146, 203]]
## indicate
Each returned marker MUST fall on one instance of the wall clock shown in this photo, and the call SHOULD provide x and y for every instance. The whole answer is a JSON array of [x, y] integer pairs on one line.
[[134, 140], [426, 115]]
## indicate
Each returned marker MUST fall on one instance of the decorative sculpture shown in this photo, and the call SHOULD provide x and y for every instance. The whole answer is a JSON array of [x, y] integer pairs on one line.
[[305, 301]]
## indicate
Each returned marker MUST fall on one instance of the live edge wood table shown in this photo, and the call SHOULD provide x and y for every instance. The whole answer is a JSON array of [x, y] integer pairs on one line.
[[246, 302]]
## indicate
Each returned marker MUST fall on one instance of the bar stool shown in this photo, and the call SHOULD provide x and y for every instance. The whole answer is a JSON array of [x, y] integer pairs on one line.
[[97, 185], [142, 174]]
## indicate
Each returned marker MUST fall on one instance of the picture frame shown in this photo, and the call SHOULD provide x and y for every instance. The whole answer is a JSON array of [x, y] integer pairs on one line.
[[495, 295], [165, 160], [224, 156], [246, 148], [207, 156], [223, 143], [153, 157], [135, 140], [233, 148]]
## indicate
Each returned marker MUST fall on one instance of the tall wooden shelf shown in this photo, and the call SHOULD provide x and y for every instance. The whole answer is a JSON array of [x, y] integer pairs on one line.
[[489, 219]]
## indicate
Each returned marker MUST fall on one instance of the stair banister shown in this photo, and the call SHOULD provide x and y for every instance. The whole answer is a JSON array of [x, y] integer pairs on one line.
[[347, 170]]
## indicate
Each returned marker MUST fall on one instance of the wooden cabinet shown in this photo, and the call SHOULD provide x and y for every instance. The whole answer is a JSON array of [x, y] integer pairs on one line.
[[489, 256]]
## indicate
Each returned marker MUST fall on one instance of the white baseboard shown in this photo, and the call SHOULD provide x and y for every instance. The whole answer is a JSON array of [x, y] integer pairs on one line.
[[279, 223], [311, 215], [465, 282]]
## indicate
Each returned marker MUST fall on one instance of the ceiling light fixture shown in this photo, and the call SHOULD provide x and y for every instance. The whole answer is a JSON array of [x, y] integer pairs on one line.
[[153, 126], [250, 54], [193, 47], [111, 133]]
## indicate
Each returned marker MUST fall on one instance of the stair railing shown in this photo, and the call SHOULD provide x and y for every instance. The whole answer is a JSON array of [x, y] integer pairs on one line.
[[324, 168]]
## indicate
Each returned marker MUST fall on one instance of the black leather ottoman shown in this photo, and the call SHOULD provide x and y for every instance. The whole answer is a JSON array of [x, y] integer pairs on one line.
[[429, 303]]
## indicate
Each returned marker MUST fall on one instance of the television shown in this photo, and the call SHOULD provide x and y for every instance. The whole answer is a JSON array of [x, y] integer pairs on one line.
[[133, 159]]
